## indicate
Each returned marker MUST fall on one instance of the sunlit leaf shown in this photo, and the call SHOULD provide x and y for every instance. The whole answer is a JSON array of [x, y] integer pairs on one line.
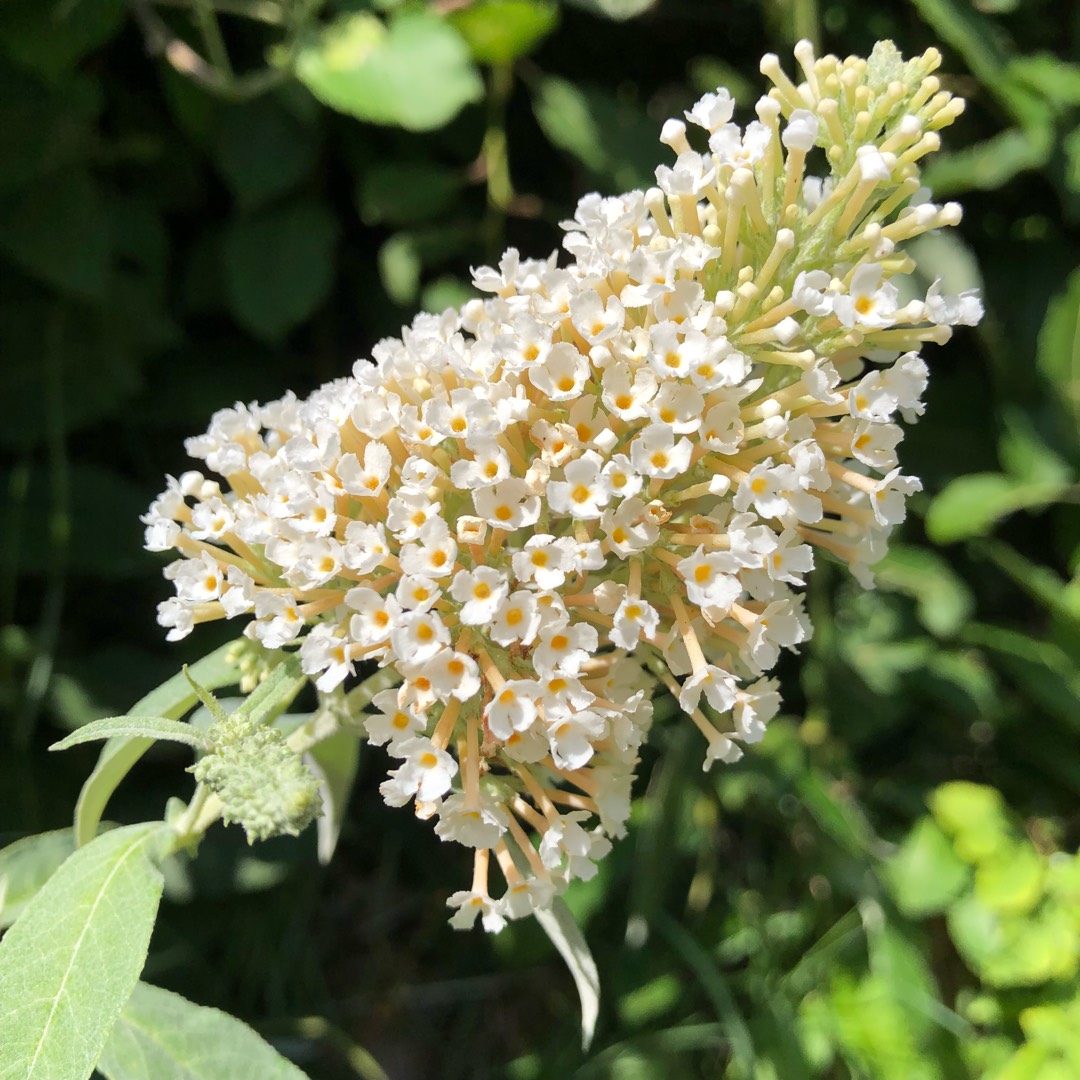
[[925, 874], [73, 957], [162, 1036], [416, 73], [499, 31]]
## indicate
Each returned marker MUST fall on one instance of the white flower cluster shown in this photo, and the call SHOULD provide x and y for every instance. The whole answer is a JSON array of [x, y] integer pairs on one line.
[[621, 465]]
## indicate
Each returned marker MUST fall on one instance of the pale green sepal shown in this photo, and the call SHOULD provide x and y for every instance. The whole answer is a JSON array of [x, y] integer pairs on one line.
[[162, 1036], [73, 957], [147, 727], [171, 700]]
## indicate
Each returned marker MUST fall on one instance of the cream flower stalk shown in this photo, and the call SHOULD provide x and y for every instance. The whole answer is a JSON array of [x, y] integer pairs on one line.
[[625, 465]]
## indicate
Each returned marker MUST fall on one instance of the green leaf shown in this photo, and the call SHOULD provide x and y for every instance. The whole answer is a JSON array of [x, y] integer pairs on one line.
[[944, 600], [72, 959], [26, 865], [617, 10], [279, 266], [400, 267], [566, 936], [499, 31], [925, 874], [974, 816], [971, 505], [58, 230], [406, 192], [415, 74], [1059, 345], [263, 150], [162, 1036], [1053, 78], [611, 138], [51, 36], [171, 699], [334, 762], [1041, 668], [989, 165], [150, 727], [1008, 951], [1011, 880]]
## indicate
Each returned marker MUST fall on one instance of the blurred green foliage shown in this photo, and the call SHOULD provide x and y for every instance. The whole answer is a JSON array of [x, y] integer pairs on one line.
[[215, 200]]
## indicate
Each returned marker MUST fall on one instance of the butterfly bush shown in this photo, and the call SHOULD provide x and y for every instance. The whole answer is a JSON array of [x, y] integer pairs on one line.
[[601, 476]]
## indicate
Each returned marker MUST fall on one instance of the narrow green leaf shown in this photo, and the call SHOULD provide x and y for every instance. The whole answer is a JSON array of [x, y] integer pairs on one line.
[[416, 73], [714, 984], [149, 727], [26, 865], [279, 266], [72, 959], [162, 1036], [171, 699], [499, 31], [970, 505], [566, 936], [334, 762]]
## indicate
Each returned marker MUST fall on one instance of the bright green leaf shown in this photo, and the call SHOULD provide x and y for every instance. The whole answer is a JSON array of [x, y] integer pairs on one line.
[[26, 865], [1059, 345], [279, 266], [1014, 951], [971, 505], [149, 727], [974, 816], [334, 762], [499, 31], [171, 699], [1049, 75], [1011, 880], [162, 1036], [925, 874], [415, 74], [58, 230], [72, 959]]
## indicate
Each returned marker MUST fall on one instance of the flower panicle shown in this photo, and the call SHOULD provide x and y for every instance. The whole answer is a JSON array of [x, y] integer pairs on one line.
[[598, 477]]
